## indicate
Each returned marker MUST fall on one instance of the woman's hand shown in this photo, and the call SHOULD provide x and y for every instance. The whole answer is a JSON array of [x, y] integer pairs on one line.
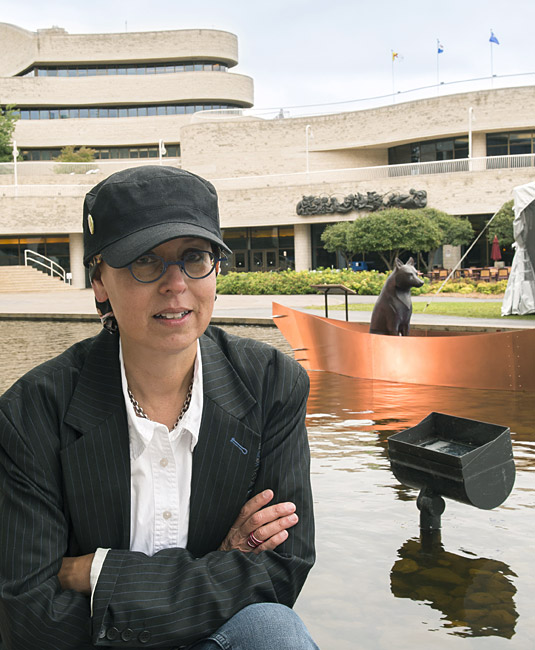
[[74, 573], [268, 525]]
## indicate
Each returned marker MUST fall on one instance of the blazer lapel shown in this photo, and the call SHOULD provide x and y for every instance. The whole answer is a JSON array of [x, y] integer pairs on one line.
[[226, 453], [96, 465]]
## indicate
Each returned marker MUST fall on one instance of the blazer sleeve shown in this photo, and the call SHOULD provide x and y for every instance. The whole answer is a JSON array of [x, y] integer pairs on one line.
[[34, 611], [174, 597]]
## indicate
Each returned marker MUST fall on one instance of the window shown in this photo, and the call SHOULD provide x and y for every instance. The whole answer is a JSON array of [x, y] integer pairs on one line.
[[509, 144], [123, 69], [428, 151], [135, 111]]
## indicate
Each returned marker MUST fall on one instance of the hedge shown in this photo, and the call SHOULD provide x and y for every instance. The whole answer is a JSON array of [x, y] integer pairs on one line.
[[365, 283]]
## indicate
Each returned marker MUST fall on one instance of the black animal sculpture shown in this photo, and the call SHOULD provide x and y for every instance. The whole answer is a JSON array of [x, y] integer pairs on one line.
[[393, 309]]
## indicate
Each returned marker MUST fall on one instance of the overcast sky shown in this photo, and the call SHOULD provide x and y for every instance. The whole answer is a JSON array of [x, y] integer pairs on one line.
[[314, 52]]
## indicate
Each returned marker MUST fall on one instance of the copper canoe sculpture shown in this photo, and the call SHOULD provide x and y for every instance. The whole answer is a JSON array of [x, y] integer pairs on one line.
[[500, 360]]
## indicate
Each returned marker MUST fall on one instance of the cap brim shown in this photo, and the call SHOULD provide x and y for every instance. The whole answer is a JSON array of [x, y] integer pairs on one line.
[[129, 248]]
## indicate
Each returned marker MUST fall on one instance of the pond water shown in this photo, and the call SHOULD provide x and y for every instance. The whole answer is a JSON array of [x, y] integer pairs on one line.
[[375, 584]]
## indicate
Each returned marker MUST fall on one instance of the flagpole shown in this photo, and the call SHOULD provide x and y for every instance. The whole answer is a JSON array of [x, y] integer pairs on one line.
[[438, 73], [492, 40], [393, 84], [491, 66]]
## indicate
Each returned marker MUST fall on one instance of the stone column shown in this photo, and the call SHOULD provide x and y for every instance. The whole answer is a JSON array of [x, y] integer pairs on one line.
[[450, 256], [303, 247], [479, 145], [76, 253]]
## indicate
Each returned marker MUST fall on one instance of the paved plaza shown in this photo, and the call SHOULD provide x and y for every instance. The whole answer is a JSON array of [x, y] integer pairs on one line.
[[79, 304]]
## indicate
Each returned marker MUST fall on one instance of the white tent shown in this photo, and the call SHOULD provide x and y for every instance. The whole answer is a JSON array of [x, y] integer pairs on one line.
[[519, 296]]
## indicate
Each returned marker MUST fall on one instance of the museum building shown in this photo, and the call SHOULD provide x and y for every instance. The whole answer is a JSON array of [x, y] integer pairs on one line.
[[171, 98]]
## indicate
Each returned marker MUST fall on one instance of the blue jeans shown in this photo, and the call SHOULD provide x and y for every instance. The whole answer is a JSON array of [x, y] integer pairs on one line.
[[264, 626]]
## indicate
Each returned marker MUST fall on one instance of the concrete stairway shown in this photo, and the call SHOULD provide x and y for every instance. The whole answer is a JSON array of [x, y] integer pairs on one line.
[[15, 279]]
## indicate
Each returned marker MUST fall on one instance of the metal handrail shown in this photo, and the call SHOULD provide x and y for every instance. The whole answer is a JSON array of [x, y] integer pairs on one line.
[[50, 265], [376, 172]]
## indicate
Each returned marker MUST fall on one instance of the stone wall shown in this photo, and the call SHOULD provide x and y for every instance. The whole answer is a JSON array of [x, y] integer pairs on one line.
[[21, 48], [145, 89], [356, 139], [463, 193]]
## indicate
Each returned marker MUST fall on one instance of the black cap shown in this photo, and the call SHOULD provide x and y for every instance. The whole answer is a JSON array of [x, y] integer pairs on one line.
[[137, 209]]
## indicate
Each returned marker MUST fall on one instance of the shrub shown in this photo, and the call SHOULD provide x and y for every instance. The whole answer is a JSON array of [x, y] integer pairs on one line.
[[365, 283]]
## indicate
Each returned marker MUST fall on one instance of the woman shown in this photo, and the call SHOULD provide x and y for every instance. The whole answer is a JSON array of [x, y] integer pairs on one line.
[[155, 481]]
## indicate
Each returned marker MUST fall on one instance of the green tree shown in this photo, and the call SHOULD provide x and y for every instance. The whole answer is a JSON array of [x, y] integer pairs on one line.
[[502, 225], [83, 154], [336, 240], [455, 231], [8, 116], [392, 232]]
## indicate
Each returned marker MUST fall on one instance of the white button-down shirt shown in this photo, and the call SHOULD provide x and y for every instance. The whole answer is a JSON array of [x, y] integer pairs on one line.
[[160, 464]]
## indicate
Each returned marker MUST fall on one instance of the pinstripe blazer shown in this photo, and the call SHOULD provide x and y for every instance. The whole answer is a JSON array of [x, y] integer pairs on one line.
[[65, 490]]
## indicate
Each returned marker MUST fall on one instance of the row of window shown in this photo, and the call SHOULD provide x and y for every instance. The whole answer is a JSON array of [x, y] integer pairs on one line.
[[117, 111], [498, 144], [106, 153], [429, 150], [93, 70], [510, 144]]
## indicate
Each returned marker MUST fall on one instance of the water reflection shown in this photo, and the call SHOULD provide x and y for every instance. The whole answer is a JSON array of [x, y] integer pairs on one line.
[[349, 422], [474, 594]]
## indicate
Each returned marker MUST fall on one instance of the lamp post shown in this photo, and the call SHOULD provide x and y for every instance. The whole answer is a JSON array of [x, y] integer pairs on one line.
[[15, 156], [308, 134], [161, 150], [470, 119]]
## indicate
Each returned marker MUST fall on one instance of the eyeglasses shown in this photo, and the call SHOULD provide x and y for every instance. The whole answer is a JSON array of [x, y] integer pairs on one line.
[[195, 264]]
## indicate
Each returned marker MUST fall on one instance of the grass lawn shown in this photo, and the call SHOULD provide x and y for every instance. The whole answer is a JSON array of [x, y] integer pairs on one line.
[[475, 309]]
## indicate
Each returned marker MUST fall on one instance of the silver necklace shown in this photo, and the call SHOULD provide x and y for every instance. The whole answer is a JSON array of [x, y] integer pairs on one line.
[[138, 409]]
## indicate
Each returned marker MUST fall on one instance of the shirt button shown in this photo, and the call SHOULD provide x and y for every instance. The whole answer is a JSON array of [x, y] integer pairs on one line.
[[167, 514], [164, 462]]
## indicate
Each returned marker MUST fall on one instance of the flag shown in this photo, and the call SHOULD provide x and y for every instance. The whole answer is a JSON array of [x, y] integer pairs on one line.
[[440, 47], [493, 38], [394, 55], [161, 148]]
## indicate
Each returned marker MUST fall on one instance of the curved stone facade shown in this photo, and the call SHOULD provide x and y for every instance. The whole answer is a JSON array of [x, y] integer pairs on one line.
[[21, 48]]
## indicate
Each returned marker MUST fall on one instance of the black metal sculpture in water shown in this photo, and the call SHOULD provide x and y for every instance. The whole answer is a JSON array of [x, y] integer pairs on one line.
[[461, 459]]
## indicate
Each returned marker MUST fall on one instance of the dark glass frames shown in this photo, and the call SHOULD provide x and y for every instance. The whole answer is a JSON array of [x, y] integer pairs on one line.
[[196, 264]]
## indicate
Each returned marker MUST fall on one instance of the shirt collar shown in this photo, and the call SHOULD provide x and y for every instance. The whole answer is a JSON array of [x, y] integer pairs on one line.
[[141, 430]]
